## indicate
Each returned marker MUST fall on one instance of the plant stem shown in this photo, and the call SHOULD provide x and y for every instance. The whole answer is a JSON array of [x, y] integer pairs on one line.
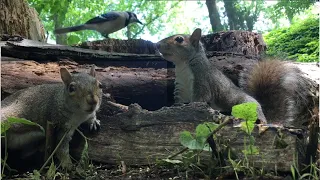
[[176, 154], [5, 152], [54, 151]]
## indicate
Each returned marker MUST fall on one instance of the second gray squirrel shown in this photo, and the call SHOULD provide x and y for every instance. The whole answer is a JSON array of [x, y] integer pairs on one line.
[[280, 90], [66, 105]]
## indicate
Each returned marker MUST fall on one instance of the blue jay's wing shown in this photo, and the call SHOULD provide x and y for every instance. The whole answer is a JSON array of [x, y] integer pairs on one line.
[[110, 16]]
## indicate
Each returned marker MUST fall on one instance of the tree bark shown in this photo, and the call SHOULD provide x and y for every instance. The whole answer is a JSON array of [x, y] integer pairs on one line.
[[18, 18], [214, 15], [231, 13], [139, 137], [58, 23]]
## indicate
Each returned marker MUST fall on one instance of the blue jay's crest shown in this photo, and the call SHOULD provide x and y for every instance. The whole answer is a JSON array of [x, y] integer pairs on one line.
[[110, 16], [132, 18]]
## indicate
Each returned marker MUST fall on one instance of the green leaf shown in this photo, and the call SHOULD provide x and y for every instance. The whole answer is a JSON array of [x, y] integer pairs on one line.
[[73, 39], [247, 127], [12, 120], [186, 138], [51, 171], [251, 150], [190, 142], [246, 111], [202, 133], [36, 175], [5, 126]]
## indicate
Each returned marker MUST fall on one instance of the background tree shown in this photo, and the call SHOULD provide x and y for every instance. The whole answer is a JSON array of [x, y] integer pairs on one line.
[[214, 15], [288, 9]]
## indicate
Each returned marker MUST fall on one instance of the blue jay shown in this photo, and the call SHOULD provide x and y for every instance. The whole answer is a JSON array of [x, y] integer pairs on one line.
[[105, 23]]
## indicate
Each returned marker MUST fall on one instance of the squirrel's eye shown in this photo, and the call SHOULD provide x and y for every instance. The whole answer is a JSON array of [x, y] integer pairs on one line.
[[179, 39], [100, 85], [72, 88]]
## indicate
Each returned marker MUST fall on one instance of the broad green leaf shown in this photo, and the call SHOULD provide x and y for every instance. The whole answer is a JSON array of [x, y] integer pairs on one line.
[[190, 142], [212, 126], [186, 138], [246, 111], [73, 39], [12, 120], [202, 131], [247, 127]]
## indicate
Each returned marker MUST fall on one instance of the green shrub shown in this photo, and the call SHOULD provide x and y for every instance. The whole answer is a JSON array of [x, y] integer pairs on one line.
[[298, 42]]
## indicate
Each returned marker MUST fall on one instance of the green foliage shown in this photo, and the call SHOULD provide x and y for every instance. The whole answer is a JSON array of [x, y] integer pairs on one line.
[[35, 175], [5, 126], [199, 142], [63, 13], [248, 112], [12, 120], [287, 8], [51, 173], [298, 42]]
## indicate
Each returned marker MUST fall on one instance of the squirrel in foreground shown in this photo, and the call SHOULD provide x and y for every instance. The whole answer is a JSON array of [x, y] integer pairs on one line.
[[280, 90], [66, 105]]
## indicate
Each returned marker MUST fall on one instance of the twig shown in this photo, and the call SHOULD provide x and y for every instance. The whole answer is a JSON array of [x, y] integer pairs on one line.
[[176, 154], [5, 152], [54, 151], [120, 106], [224, 123], [49, 139]]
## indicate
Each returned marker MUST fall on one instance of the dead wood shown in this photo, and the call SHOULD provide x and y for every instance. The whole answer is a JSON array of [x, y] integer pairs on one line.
[[18, 18], [140, 137]]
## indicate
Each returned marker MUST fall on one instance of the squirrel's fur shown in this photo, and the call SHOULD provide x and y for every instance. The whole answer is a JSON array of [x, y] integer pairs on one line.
[[282, 90], [279, 90], [66, 105]]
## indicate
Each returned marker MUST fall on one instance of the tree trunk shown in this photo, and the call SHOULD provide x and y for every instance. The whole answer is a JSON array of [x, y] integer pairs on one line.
[[129, 34], [231, 13], [214, 15], [58, 23], [18, 18]]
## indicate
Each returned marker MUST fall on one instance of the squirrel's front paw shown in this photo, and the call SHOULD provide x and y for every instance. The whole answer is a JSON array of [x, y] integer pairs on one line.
[[94, 125]]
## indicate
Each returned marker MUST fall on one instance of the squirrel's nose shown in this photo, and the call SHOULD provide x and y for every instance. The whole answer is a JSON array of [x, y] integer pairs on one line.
[[92, 99]]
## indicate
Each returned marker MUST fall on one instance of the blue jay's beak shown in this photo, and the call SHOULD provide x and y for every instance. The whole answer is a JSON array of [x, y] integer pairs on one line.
[[139, 21]]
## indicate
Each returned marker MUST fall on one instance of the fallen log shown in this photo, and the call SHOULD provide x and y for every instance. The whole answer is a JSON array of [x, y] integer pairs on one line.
[[141, 137], [151, 88]]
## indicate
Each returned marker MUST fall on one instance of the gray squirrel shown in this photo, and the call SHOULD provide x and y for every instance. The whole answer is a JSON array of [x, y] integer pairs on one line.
[[66, 105], [280, 90]]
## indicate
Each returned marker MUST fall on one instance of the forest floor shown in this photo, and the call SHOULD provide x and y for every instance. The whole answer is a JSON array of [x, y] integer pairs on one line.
[[104, 172]]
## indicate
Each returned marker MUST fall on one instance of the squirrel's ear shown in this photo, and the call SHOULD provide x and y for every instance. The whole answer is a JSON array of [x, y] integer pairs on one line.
[[93, 71], [195, 37], [65, 76]]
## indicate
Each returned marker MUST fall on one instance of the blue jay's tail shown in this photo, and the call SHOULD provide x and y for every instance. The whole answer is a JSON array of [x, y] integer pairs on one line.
[[69, 29]]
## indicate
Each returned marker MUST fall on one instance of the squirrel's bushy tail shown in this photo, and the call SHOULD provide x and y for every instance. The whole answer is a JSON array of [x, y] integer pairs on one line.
[[286, 96], [69, 29]]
